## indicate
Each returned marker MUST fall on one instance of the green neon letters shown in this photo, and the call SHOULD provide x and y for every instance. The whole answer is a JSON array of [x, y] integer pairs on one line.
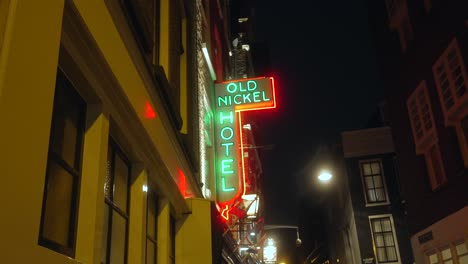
[[230, 98]]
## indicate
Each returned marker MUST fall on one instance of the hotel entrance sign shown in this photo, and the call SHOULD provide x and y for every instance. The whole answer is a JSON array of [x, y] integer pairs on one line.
[[232, 98]]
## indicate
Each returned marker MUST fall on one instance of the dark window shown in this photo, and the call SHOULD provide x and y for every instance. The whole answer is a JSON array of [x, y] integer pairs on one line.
[[151, 229], [373, 181], [117, 192], [173, 240], [143, 17], [61, 191], [384, 243]]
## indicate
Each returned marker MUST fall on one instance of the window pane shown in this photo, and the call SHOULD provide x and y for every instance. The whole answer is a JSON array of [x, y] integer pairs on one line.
[[375, 168], [379, 240], [461, 249], [463, 260], [378, 181], [369, 182], [391, 254], [151, 218], [386, 225], [448, 262], [65, 122], [381, 254], [56, 226], [377, 227], [388, 239], [117, 254], [380, 195], [371, 196], [120, 183], [105, 228], [446, 254], [433, 258], [150, 252], [366, 169]]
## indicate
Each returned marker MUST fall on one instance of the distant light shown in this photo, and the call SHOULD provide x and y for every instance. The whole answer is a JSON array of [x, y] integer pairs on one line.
[[145, 188], [325, 176], [243, 249], [247, 126], [337, 260], [246, 47], [252, 233], [270, 242]]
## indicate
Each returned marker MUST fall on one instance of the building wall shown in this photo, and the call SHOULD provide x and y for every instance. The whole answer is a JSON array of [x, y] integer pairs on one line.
[[394, 208], [87, 41], [434, 27]]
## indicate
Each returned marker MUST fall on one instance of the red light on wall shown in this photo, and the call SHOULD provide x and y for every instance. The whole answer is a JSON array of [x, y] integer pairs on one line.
[[149, 111], [182, 183]]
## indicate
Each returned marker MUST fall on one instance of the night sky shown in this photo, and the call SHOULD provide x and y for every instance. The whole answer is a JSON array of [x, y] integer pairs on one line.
[[322, 58]]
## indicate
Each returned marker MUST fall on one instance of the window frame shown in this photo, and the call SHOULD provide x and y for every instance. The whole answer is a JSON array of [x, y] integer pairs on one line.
[[109, 203], [364, 188], [429, 136], [453, 251], [456, 114], [74, 170], [152, 195], [429, 139], [459, 109], [397, 247]]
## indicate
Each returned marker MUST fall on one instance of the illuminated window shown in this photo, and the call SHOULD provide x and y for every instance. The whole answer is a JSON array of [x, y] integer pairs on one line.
[[151, 229], [433, 258], [446, 256], [374, 182], [60, 202], [452, 83], [384, 239], [454, 253], [117, 192], [425, 134], [461, 250]]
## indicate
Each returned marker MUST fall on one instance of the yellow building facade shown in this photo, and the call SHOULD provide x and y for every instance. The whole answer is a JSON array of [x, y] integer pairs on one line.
[[93, 166]]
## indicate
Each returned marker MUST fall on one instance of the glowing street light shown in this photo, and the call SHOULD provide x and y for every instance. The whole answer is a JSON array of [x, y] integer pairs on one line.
[[325, 176]]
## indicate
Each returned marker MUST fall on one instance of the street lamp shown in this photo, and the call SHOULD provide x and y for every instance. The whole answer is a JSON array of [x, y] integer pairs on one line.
[[325, 176], [298, 239]]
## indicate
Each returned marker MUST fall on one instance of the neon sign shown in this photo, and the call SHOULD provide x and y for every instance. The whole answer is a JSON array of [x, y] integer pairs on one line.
[[232, 98]]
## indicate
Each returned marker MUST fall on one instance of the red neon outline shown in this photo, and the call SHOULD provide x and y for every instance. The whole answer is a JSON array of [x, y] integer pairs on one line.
[[243, 79], [242, 152], [258, 106]]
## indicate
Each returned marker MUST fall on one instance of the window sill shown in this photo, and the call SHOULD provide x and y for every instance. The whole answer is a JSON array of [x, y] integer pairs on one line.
[[377, 204]]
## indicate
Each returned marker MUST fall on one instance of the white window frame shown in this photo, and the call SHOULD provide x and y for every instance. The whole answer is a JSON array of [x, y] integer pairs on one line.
[[397, 247], [364, 189], [459, 110], [429, 138]]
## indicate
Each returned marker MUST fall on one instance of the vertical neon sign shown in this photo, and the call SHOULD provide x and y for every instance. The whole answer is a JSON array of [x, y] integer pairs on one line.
[[232, 98]]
